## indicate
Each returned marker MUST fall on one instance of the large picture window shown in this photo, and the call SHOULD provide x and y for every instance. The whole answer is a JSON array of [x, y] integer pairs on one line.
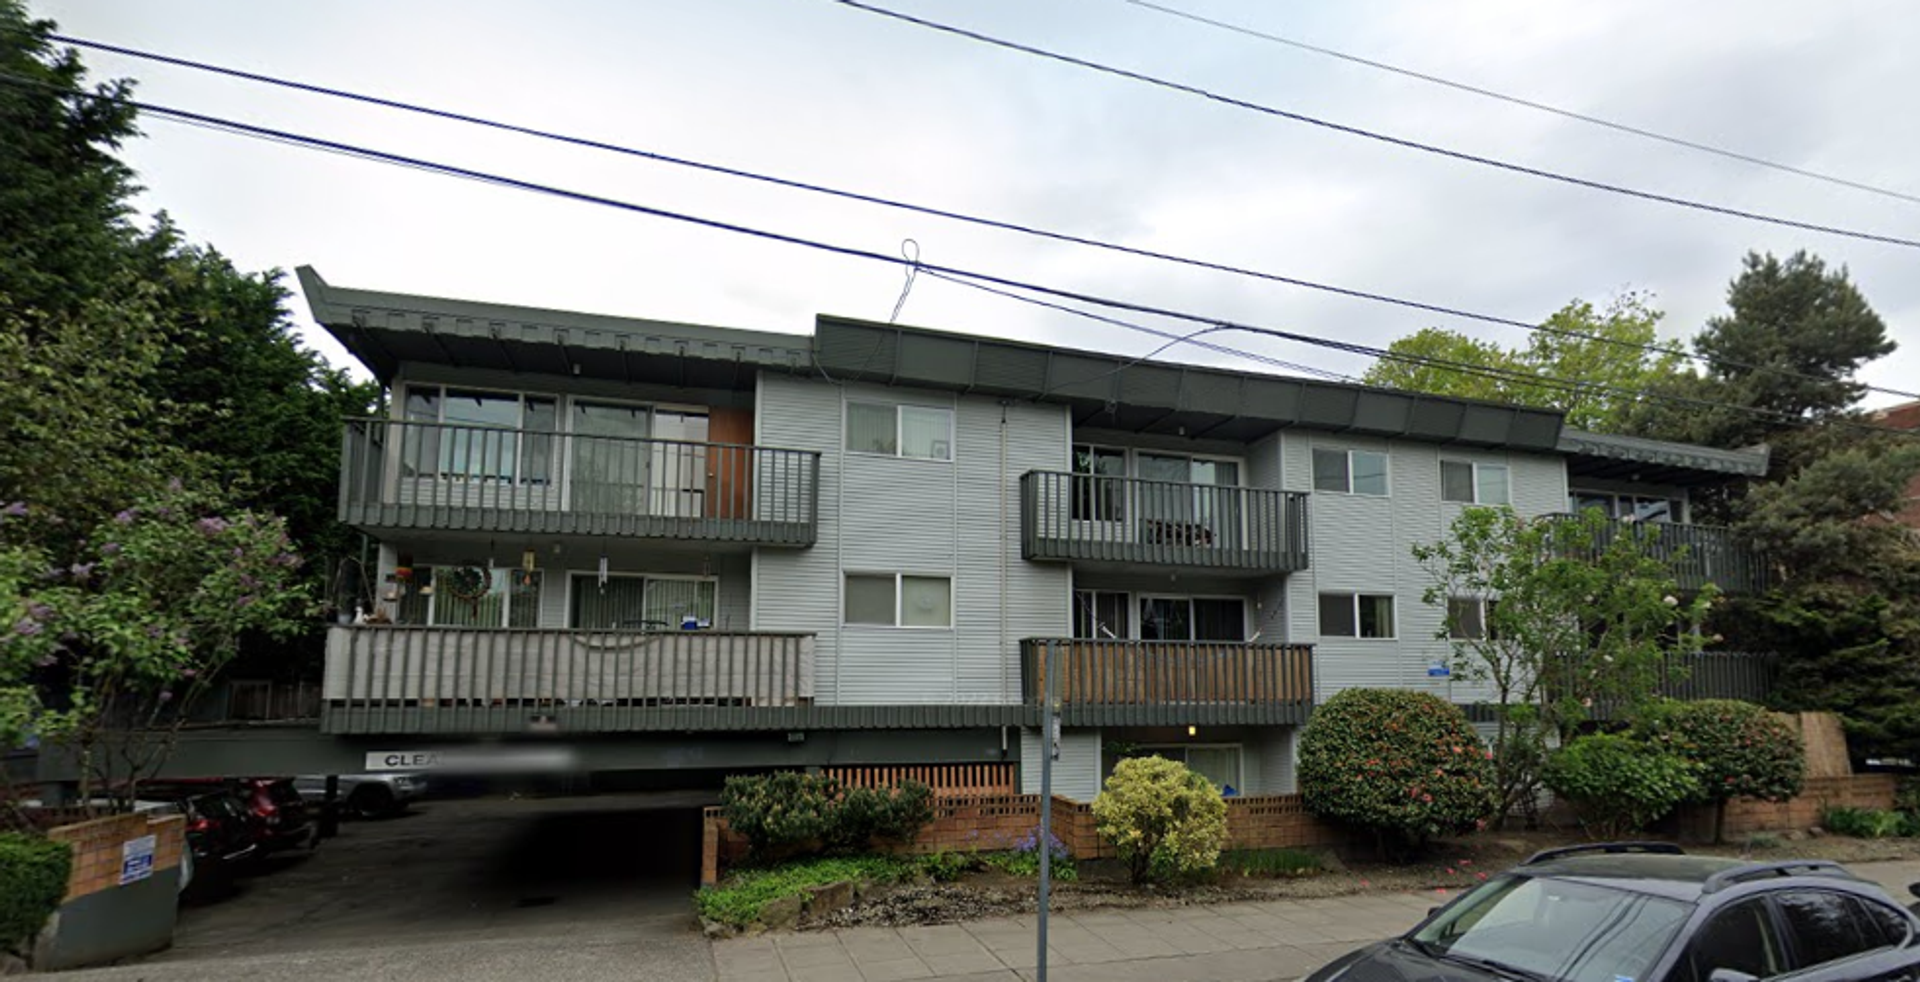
[[470, 596], [920, 432], [471, 435], [639, 603]]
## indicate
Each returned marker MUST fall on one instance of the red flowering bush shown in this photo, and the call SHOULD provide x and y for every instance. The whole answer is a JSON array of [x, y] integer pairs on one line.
[[1406, 764], [1738, 749]]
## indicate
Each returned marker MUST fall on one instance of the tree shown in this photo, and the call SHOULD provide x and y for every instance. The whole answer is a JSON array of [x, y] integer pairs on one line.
[[1164, 819], [1558, 369], [1555, 615]]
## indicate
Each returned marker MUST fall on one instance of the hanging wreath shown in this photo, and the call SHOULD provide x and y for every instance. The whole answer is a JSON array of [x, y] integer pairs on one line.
[[469, 583]]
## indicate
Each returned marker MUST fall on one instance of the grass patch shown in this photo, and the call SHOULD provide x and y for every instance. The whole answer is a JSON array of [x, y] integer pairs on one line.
[[738, 899], [1279, 862]]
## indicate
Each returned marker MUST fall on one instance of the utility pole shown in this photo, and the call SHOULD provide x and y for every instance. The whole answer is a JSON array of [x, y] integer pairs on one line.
[[1049, 752]]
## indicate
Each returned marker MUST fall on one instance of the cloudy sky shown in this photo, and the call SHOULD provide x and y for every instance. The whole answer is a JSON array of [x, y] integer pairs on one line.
[[815, 91]]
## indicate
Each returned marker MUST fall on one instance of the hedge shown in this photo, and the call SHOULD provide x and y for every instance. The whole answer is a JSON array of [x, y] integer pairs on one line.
[[33, 881]]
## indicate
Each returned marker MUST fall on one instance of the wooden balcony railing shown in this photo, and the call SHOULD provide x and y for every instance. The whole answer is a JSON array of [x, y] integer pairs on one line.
[[410, 679], [1698, 554], [1169, 683], [1088, 517], [412, 475]]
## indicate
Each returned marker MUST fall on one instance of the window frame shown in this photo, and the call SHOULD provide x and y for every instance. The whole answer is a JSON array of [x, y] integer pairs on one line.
[[1139, 618], [506, 608], [573, 574], [899, 430], [1353, 596], [1386, 471], [1484, 605], [1474, 468], [1790, 933], [899, 599], [1239, 757]]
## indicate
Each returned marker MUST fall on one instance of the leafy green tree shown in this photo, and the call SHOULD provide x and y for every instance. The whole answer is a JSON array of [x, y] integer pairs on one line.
[[1738, 749], [1558, 369], [1554, 616], [1406, 765]]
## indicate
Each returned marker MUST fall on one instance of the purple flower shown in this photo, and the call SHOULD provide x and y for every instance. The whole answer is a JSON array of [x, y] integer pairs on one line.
[[245, 601], [27, 627], [174, 484], [39, 611], [48, 661], [189, 672], [166, 695], [126, 517], [154, 631], [247, 580], [80, 571], [14, 509], [110, 549], [211, 525]]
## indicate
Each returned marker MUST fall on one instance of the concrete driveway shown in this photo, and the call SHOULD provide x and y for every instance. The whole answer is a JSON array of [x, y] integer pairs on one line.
[[469, 890]]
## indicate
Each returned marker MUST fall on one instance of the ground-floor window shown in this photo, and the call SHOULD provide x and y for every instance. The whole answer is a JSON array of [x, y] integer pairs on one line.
[[1219, 763], [468, 596], [623, 602]]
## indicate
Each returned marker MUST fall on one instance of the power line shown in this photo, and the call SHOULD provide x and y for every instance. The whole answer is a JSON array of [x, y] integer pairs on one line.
[[380, 156], [1526, 103], [1397, 141], [999, 224]]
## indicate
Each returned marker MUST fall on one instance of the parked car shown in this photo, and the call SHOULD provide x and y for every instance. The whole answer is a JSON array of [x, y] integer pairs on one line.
[[220, 833], [1632, 911], [274, 806], [366, 795]]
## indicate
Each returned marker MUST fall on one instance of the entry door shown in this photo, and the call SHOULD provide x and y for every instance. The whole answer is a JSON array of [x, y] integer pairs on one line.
[[1205, 512]]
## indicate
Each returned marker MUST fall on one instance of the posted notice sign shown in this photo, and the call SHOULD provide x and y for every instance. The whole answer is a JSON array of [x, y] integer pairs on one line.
[[136, 859]]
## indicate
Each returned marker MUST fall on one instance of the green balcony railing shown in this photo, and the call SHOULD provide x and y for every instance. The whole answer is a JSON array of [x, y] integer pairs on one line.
[[1698, 554], [1096, 518]]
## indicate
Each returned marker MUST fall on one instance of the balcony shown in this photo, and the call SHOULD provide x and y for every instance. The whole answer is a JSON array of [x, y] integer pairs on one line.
[[408, 475], [1740, 675], [409, 679], [1097, 519], [1172, 683], [1699, 555]]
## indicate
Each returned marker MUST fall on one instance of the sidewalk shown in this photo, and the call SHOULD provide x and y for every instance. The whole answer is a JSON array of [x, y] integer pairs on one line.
[[1270, 941]]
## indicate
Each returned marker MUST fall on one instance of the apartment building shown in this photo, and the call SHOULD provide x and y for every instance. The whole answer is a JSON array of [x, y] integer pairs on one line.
[[686, 546]]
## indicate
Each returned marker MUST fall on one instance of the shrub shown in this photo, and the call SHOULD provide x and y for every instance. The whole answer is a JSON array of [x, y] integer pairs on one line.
[[1739, 750], [33, 881], [1867, 823], [739, 898], [1620, 784], [946, 866], [1162, 818], [1024, 858], [790, 812], [1404, 764]]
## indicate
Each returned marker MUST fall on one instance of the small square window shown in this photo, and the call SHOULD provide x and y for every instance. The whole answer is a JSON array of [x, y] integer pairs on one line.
[[1330, 471], [869, 599], [1369, 473], [872, 429], [1376, 616], [926, 433], [926, 601], [1490, 484], [1336, 615], [1456, 481]]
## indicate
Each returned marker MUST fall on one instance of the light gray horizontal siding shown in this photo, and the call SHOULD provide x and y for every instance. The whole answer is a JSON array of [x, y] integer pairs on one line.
[[1076, 774]]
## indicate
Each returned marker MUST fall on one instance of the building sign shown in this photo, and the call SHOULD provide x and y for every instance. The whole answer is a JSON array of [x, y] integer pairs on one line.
[[475, 760], [1439, 670], [402, 760], [136, 859]]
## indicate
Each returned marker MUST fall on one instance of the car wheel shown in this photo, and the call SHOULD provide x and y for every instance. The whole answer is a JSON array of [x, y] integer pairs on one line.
[[371, 801]]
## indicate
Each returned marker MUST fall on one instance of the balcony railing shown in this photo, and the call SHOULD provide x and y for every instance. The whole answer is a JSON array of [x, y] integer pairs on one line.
[[397, 474], [1171, 683], [1699, 554], [1089, 517], [1740, 675], [411, 679]]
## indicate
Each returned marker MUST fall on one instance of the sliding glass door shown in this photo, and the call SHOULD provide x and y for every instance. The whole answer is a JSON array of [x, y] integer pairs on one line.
[[609, 460], [1206, 512]]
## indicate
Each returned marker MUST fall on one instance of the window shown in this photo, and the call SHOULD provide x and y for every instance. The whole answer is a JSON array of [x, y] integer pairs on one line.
[[1563, 929], [639, 603], [1825, 927], [1633, 507], [1350, 471], [899, 600], [1100, 614], [1193, 619], [1740, 938], [467, 435], [1099, 494], [1467, 618], [1218, 763], [1474, 483], [470, 596], [1891, 925], [920, 432], [1356, 615]]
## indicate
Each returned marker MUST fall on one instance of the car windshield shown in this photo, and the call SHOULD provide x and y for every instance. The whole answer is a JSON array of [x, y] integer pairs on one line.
[[1547, 928]]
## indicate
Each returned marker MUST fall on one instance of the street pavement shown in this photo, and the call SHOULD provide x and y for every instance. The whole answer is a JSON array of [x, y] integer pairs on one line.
[[1269, 941]]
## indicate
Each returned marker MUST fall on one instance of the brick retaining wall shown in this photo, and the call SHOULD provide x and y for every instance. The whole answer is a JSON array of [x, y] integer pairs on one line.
[[1746, 816], [97, 846]]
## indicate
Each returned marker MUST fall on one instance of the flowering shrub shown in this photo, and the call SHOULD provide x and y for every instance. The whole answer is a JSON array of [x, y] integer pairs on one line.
[[1740, 750], [130, 626], [1164, 819], [1620, 784], [1405, 764]]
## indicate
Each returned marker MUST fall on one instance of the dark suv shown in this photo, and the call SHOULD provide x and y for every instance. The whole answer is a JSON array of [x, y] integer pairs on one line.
[[274, 807], [1647, 912]]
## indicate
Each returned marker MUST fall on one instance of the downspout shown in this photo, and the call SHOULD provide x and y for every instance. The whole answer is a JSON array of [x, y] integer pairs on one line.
[[1006, 685]]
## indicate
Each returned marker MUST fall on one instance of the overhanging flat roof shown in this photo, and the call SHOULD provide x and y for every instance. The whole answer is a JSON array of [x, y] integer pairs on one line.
[[385, 329], [1605, 455], [1112, 392]]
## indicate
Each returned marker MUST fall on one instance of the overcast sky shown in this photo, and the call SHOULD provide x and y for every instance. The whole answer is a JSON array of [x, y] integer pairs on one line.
[[812, 90]]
